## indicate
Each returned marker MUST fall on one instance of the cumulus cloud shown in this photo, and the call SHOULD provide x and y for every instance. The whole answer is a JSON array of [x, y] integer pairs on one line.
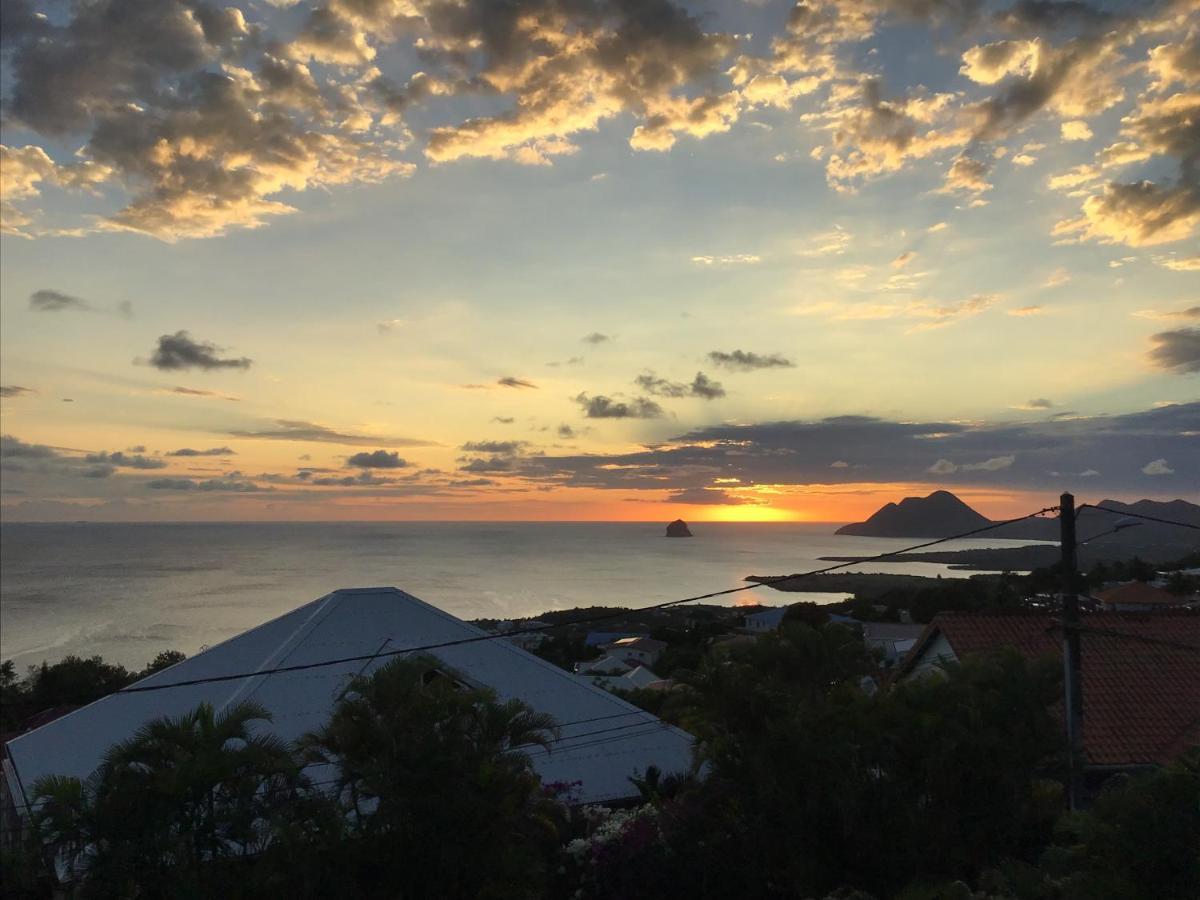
[[186, 108], [199, 119], [602, 407], [179, 351], [1160, 127], [1157, 467], [125, 461], [748, 361], [501, 448], [597, 338], [14, 447], [701, 386], [38, 459], [378, 459], [1177, 351], [25, 170], [968, 175], [568, 67], [875, 135], [499, 456], [1076, 130]]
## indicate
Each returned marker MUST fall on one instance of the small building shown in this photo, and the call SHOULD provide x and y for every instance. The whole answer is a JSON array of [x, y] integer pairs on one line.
[[892, 639], [767, 620], [363, 628], [1140, 673], [643, 651], [600, 638], [1138, 596], [603, 665], [641, 677]]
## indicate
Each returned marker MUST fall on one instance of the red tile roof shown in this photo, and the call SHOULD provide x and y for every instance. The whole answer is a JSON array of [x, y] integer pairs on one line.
[[1141, 594], [1141, 674]]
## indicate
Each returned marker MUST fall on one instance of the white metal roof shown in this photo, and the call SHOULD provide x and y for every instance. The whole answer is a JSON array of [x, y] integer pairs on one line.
[[616, 741]]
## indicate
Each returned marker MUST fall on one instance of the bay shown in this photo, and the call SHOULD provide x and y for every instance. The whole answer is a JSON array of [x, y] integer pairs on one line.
[[126, 591]]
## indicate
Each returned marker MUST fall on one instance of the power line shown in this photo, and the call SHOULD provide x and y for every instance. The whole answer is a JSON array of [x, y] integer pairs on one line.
[[1140, 638], [767, 582], [1133, 515]]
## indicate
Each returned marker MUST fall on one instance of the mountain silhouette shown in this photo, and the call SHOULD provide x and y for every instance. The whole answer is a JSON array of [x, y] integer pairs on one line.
[[938, 515], [942, 514]]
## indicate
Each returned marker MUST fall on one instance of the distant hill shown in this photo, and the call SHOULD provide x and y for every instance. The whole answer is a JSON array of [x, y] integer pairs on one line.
[[942, 514], [938, 515]]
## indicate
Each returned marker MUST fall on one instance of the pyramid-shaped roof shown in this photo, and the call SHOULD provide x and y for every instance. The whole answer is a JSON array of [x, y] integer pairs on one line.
[[603, 740]]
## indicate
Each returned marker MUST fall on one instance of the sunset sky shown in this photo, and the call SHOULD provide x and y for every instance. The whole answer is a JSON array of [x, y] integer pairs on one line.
[[596, 259]]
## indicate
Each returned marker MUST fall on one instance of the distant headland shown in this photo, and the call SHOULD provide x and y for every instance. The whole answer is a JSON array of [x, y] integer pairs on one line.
[[942, 514]]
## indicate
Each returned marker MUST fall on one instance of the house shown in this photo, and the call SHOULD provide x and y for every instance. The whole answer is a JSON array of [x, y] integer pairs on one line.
[[636, 651], [364, 627], [601, 638], [1138, 596], [604, 665], [641, 677], [892, 639], [1140, 673], [768, 620]]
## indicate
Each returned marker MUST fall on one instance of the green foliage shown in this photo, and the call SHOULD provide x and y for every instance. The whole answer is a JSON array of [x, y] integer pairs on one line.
[[75, 680], [1141, 832], [1135, 569], [439, 794], [564, 650], [163, 660], [814, 785], [1183, 585], [72, 681], [177, 810], [686, 646]]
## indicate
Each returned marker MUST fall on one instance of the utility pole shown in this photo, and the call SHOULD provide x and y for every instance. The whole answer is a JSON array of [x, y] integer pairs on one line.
[[1072, 679]]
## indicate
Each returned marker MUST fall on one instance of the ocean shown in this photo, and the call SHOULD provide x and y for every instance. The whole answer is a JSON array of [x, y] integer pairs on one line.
[[127, 591]]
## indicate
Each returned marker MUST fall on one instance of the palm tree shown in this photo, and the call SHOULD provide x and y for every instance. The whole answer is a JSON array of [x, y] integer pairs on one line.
[[436, 782], [171, 802]]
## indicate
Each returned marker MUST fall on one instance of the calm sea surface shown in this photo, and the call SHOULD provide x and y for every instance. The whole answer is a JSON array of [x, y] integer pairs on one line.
[[128, 591]]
